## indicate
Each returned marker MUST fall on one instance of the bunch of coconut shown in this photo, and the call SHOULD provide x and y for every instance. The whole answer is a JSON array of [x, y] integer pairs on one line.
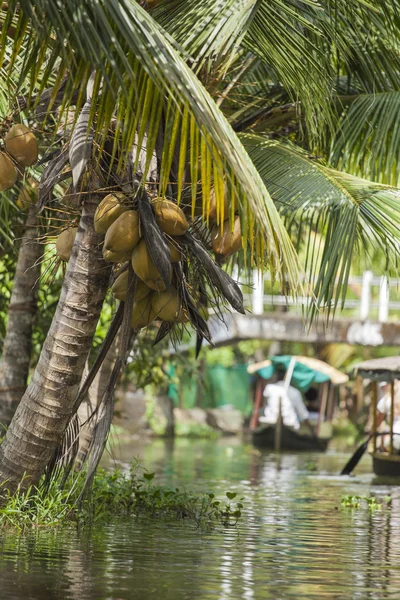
[[21, 149], [124, 242]]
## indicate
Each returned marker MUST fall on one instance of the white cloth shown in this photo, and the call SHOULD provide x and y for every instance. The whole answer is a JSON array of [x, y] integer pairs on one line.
[[293, 408], [384, 406]]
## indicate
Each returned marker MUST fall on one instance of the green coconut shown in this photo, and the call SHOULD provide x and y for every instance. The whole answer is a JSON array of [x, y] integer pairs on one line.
[[168, 306], [123, 235], [170, 218], [145, 268], [116, 257], [8, 173], [109, 209], [143, 313], [65, 242], [120, 286], [22, 144]]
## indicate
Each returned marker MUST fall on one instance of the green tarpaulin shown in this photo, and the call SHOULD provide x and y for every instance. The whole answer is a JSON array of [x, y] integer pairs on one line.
[[219, 386]]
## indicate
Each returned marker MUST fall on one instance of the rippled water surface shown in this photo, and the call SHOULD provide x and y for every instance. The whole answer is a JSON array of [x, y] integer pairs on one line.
[[294, 541]]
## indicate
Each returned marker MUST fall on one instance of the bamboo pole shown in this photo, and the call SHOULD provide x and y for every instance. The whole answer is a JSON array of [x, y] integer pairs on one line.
[[332, 394], [374, 415], [257, 403], [278, 427], [391, 415], [322, 406]]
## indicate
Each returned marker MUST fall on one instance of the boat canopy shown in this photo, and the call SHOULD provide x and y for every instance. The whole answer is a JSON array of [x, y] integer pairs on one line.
[[379, 369], [306, 371]]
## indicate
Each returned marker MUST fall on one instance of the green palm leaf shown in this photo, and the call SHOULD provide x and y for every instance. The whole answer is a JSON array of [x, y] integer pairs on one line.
[[368, 140], [145, 77], [288, 37], [352, 215]]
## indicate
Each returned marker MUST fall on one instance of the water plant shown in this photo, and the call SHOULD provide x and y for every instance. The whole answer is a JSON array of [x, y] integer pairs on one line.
[[370, 502], [311, 466], [121, 493]]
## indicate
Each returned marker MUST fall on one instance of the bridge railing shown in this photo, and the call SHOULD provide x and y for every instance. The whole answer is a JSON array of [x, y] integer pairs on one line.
[[371, 297]]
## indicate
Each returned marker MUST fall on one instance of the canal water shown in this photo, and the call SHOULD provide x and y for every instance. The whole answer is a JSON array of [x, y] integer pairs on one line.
[[295, 540]]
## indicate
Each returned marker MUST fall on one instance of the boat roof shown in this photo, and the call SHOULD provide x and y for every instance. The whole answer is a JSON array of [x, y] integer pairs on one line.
[[314, 364], [379, 369]]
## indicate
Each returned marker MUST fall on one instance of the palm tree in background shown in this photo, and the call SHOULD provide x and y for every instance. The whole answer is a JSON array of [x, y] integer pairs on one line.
[[239, 100]]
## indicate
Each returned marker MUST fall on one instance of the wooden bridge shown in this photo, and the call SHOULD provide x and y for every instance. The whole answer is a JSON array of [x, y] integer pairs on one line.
[[370, 317], [286, 327]]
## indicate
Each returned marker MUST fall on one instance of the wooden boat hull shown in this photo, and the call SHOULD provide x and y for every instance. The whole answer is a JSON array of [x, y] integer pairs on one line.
[[264, 437], [386, 465]]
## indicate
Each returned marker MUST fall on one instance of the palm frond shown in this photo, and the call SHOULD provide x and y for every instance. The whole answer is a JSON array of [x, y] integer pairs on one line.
[[335, 216], [368, 141], [287, 37], [208, 31], [144, 82]]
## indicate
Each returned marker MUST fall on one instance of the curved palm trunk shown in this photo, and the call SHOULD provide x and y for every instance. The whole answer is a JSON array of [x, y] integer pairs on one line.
[[46, 407], [93, 401], [14, 368]]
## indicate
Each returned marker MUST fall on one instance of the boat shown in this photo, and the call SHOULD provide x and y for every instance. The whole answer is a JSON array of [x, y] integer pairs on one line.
[[384, 463], [264, 437], [302, 372]]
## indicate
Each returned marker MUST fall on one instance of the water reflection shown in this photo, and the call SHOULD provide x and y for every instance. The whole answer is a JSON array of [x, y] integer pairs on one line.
[[294, 542]]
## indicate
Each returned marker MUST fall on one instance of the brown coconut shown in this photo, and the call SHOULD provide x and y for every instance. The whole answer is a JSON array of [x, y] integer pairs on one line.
[[143, 313], [8, 173], [168, 305], [28, 194], [226, 242], [64, 243], [108, 211], [22, 144], [170, 217], [120, 286], [145, 268], [123, 234]]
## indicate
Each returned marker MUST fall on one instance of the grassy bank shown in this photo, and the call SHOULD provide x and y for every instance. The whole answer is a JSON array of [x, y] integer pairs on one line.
[[116, 494]]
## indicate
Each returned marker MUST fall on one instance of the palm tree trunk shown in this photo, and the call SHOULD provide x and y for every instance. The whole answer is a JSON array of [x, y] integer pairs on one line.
[[93, 401], [47, 405], [22, 310]]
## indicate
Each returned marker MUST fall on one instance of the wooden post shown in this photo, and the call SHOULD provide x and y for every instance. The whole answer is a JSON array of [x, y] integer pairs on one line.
[[278, 427], [374, 403], [322, 406], [391, 415], [360, 393], [331, 402], [257, 403]]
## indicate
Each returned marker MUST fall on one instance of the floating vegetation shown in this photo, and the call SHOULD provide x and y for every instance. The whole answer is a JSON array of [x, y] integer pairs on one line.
[[369, 502]]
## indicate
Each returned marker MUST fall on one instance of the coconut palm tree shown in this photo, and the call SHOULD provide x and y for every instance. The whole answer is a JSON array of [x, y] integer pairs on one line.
[[16, 354], [151, 98]]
